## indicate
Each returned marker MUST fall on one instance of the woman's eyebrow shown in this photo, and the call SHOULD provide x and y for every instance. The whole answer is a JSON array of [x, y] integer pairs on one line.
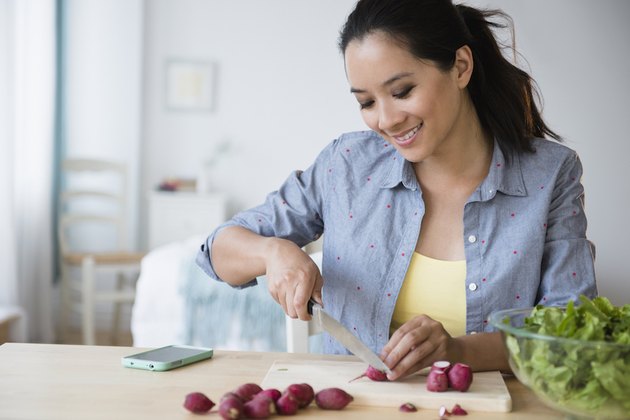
[[389, 81]]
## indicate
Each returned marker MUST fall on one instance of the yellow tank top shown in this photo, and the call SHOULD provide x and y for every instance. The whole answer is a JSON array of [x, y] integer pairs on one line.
[[434, 288]]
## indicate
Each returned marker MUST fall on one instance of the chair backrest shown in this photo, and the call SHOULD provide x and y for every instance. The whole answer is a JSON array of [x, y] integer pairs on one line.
[[92, 206]]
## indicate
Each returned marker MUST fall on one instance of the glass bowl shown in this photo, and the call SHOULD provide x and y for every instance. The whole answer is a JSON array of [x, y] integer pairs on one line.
[[581, 378]]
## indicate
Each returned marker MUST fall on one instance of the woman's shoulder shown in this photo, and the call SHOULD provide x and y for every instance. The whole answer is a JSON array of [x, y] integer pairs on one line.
[[551, 147], [362, 138], [360, 145], [547, 154]]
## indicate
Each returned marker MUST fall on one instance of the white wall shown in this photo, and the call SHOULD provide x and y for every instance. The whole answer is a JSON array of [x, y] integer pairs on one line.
[[103, 97], [282, 95], [103, 89]]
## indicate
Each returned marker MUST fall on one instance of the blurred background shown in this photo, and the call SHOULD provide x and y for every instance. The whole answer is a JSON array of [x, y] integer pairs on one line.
[[210, 104]]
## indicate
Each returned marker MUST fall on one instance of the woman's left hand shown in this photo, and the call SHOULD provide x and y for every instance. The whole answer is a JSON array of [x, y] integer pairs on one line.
[[415, 345]]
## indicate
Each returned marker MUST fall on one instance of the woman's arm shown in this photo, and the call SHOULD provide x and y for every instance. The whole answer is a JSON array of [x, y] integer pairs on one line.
[[239, 255], [482, 351]]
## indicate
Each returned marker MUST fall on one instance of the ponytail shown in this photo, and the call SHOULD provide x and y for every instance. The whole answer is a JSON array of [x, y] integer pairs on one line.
[[505, 97]]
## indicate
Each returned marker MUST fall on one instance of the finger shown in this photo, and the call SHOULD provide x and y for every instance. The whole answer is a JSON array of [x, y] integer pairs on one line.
[[317, 290], [288, 302], [409, 335], [392, 343], [415, 359], [300, 301]]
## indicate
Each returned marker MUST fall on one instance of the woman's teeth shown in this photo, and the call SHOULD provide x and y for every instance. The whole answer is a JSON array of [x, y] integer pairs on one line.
[[410, 134]]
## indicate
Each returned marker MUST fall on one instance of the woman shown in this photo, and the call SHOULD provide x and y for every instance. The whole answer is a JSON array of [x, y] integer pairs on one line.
[[451, 207]]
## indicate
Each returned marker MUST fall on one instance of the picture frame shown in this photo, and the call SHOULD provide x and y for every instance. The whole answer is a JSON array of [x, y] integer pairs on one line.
[[190, 85]]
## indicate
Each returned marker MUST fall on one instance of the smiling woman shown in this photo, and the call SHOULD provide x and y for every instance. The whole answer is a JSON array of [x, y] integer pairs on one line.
[[457, 194]]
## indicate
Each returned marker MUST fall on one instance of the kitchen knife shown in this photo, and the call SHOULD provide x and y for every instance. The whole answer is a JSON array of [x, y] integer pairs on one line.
[[345, 337]]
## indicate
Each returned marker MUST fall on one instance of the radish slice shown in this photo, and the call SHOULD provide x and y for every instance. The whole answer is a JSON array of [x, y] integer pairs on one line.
[[441, 365]]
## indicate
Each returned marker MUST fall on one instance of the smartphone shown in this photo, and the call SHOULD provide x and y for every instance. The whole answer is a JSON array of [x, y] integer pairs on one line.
[[167, 358]]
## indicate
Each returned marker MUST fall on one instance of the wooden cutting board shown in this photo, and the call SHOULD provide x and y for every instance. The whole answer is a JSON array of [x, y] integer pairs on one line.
[[487, 392]]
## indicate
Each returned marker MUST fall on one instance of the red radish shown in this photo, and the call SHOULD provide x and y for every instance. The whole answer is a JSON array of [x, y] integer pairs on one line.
[[460, 377], [259, 408], [272, 393], [198, 402], [372, 373], [287, 404], [437, 381], [231, 408], [303, 393], [230, 395], [457, 410], [247, 391], [441, 365], [407, 408], [333, 399]]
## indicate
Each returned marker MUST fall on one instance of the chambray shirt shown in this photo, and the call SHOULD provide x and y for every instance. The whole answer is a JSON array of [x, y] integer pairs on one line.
[[524, 231]]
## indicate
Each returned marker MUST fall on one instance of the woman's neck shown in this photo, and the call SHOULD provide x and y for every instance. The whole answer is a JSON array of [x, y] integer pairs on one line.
[[464, 157]]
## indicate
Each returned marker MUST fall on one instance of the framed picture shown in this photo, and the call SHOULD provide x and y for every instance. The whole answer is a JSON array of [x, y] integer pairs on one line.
[[190, 85]]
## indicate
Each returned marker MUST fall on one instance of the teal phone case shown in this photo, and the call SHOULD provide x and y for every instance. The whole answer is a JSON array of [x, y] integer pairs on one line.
[[167, 357]]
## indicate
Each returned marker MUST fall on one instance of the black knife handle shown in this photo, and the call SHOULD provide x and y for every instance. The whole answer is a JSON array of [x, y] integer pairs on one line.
[[309, 306]]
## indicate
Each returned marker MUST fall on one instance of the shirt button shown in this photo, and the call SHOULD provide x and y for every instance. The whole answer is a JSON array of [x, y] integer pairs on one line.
[[472, 287], [472, 239]]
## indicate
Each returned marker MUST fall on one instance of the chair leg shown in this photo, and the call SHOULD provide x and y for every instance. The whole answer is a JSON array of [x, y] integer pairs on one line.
[[120, 284], [87, 300], [65, 304]]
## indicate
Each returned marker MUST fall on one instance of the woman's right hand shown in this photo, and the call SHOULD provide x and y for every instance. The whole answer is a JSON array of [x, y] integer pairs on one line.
[[292, 278]]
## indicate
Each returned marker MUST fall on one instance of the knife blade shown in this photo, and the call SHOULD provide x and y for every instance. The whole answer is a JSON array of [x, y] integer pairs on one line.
[[345, 337]]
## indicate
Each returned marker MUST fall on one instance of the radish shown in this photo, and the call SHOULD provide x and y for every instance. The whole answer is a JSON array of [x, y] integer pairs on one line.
[[372, 373], [437, 381], [259, 408], [247, 391], [460, 377], [231, 408], [287, 404], [198, 402], [441, 365], [303, 393], [407, 408], [272, 393], [443, 412], [457, 410], [333, 399]]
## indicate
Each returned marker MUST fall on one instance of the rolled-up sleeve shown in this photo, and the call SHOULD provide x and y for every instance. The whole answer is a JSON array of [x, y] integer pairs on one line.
[[568, 260], [293, 212]]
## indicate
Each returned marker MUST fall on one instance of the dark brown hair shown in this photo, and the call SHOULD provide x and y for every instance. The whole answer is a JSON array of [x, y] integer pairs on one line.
[[505, 97]]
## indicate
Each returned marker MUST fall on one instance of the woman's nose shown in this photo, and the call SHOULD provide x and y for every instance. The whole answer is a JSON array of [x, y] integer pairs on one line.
[[389, 117]]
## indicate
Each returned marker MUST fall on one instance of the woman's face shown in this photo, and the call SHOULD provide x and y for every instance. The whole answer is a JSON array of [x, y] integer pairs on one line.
[[414, 105]]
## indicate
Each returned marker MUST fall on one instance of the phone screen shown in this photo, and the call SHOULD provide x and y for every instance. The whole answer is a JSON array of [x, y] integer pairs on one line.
[[167, 354]]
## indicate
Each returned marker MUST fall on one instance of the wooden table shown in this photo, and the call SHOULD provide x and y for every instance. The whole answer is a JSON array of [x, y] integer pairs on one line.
[[51, 381]]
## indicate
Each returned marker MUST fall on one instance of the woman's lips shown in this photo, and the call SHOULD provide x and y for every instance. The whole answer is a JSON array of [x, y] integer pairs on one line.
[[408, 138]]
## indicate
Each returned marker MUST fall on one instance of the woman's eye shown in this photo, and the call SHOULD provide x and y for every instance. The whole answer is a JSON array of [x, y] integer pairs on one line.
[[366, 104], [403, 93]]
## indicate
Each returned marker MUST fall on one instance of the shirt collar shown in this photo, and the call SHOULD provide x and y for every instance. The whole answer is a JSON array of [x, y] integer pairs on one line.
[[401, 171], [503, 176]]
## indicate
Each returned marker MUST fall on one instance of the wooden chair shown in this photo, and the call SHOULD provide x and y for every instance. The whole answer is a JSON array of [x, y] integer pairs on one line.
[[92, 242], [299, 332]]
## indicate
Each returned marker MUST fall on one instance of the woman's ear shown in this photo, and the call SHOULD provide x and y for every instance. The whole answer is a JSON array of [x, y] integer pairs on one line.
[[463, 65]]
